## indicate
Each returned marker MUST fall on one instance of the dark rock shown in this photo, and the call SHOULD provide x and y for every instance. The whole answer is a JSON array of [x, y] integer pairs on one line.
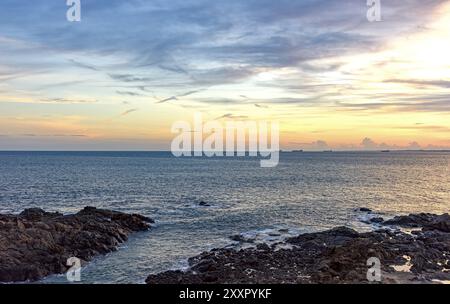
[[35, 243], [339, 255], [263, 247], [204, 266], [204, 204], [243, 239], [440, 223], [376, 220], [209, 278], [363, 209], [412, 220]]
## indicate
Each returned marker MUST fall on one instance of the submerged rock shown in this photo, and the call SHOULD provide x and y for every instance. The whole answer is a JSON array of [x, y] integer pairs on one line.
[[339, 255], [204, 204], [364, 209], [376, 220], [35, 243]]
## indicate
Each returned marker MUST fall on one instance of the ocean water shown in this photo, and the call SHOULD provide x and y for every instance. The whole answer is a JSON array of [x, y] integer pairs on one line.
[[306, 192]]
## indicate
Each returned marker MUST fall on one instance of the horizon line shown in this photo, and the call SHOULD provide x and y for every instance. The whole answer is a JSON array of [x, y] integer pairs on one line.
[[281, 150]]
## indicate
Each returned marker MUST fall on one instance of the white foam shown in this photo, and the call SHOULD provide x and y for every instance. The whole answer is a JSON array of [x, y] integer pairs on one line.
[[269, 236], [405, 267]]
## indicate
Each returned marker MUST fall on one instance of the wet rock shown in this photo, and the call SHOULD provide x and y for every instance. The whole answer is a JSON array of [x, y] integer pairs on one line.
[[363, 209], [35, 214], [440, 223], [412, 220], [35, 243], [338, 255], [205, 265], [263, 247], [376, 220], [238, 238]]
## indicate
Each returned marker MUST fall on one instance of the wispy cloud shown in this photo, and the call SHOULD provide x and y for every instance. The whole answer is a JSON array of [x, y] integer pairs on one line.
[[52, 135], [84, 65], [174, 98], [318, 59], [421, 83], [128, 112], [129, 78], [232, 116], [68, 101], [129, 93]]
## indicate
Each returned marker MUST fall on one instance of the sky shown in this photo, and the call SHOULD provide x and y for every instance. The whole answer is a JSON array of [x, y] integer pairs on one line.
[[122, 76]]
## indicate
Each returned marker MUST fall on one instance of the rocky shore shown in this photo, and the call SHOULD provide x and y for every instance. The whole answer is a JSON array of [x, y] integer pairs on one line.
[[340, 255], [35, 244], [411, 249]]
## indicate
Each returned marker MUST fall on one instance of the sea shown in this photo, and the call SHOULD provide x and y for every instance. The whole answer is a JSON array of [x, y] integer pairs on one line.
[[306, 192]]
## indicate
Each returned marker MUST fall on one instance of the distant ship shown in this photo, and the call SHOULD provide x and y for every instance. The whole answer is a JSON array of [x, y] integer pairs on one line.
[[386, 151], [327, 151], [297, 151]]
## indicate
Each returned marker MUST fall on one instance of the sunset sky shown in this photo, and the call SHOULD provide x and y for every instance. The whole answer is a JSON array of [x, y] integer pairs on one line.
[[118, 79]]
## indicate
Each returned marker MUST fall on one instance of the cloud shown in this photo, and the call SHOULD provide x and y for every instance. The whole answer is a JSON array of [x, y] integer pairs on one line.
[[173, 98], [129, 78], [319, 145], [366, 144], [408, 102], [423, 127], [68, 101], [128, 112], [201, 42], [128, 93], [52, 135], [84, 65], [420, 83], [369, 144], [414, 146], [232, 116], [218, 101], [173, 68], [189, 93], [321, 56]]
